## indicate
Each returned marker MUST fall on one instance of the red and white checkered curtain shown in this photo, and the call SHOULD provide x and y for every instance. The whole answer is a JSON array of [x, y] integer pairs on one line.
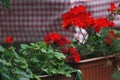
[[31, 20]]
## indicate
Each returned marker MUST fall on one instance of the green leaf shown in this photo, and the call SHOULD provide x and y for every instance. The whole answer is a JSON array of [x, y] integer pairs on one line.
[[54, 71], [36, 77], [4, 62], [59, 56], [116, 75], [5, 3], [34, 60], [43, 50], [5, 76], [1, 49], [1, 67], [79, 75], [24, 46], [22, 78], [22, 62], [21, 73]]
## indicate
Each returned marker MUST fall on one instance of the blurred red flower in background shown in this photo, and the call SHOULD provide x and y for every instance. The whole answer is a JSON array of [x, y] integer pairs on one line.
[[112, 7], [111, 36], [108, 40], [9, 40]]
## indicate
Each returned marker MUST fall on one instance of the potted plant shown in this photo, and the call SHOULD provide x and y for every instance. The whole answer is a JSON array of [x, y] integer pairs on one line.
[[102, 40]]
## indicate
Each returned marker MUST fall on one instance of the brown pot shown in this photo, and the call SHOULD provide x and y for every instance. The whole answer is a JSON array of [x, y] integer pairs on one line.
[[92, 69], [58, 77], [95, 69]]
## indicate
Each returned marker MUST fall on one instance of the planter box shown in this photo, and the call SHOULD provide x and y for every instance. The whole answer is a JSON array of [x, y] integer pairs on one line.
[[94, 69]]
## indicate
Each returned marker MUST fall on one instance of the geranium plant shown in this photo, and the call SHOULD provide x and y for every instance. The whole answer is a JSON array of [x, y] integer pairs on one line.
[[12, 65], [102, 38], [43, 60]]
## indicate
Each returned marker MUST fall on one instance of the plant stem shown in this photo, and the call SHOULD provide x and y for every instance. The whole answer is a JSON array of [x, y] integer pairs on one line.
[[82, 35]]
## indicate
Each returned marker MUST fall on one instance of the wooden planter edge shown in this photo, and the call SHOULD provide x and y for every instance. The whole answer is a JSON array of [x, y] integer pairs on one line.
[[96, 59]]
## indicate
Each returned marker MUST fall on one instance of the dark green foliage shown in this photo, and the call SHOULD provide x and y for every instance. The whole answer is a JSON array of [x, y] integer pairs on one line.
[[42, 59], [116, 75], [33, 60], [12, 66], [5, 3]]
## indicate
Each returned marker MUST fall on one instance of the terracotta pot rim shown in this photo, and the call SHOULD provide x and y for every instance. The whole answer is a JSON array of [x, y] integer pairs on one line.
[[96, 59]]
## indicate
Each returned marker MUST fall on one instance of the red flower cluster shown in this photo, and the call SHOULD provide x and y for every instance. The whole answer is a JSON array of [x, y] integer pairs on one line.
[[83, 21], [72, 54], [56, 38], [9, 40], [110, 37], [112, 7], [79, 17], [102, 23]]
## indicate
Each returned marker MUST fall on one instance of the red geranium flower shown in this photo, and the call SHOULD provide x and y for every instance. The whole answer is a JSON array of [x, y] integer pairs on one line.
[[111, 24], [63, 41], [77, 58], [72, 54], [56, 38], [75, 55], [77, 22], [60, 43], [66, 24], [89, 21], [67, 41], [112, 7], [65, 50], [72, 17], [112, 35], [82, 9], [67, 20], [100, 23], [79, 9], [108, 41], [67, 15], [47, 38], [97, 28], [9, 40]]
